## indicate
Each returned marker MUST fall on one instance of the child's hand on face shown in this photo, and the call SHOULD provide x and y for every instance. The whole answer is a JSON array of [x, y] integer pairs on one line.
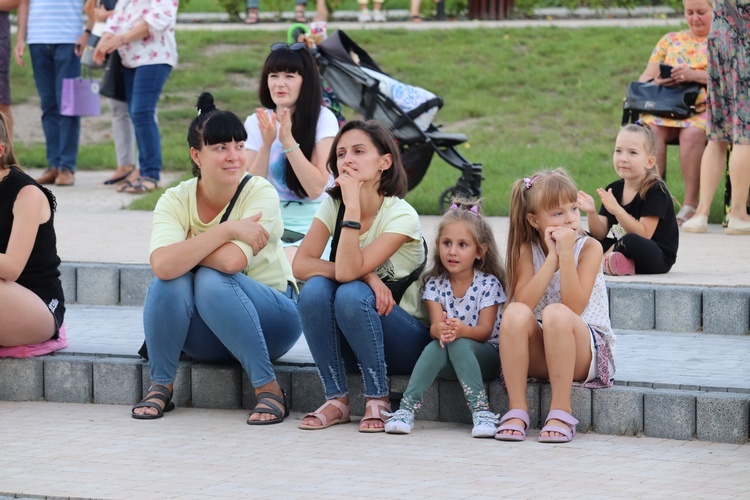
[[267, 125], [586, 202], [565, 238], [608, 200], [549, 240]]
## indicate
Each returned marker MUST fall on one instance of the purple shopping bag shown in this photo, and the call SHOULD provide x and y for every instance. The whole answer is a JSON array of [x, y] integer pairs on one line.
[[80, 97]]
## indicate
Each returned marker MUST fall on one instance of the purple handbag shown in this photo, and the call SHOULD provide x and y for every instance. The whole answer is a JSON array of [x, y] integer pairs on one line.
[[80, 97]]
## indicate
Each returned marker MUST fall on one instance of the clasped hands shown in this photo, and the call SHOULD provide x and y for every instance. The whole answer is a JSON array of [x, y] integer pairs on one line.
[[267, 126], [447, 329]]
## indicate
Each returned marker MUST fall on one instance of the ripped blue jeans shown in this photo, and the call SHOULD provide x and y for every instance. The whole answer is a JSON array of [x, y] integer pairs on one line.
[[343, 330]]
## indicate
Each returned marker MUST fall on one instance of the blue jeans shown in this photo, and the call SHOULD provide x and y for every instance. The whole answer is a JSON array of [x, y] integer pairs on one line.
[[51, 63], [143, 86], [341, 324], [216, 317]]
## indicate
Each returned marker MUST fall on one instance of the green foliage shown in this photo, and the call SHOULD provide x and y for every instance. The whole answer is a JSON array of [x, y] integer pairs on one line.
[[233, 8]]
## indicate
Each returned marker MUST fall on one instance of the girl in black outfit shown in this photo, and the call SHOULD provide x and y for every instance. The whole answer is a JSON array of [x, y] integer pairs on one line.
[[31, 297], [636, 223]]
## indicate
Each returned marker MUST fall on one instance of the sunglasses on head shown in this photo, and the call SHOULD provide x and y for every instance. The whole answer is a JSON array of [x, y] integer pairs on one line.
[[290, 46]]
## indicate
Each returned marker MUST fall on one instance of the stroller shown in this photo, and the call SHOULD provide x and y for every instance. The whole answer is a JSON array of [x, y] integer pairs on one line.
[[360, 86]]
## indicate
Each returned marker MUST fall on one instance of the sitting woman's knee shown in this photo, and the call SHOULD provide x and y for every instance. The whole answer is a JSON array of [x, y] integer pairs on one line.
[[353, 299], [317, 292], [516, 318]]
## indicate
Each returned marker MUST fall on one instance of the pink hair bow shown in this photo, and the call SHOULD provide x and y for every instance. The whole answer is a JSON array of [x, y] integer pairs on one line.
[[529, 182]]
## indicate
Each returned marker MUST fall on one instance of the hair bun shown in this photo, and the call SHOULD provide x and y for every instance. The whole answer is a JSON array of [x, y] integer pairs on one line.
[[205, 103]]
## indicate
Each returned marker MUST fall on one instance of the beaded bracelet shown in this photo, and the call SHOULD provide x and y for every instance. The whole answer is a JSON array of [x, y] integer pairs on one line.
[[290, 149]]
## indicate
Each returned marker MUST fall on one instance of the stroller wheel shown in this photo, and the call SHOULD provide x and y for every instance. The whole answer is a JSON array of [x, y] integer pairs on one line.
[[447, 196]]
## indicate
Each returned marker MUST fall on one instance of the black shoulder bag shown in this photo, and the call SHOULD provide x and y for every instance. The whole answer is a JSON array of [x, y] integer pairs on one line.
[[676, 102], [397, 287], [143, 351]]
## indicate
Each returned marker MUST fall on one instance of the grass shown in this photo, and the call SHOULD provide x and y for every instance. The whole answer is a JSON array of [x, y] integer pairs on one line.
[[526, 98]]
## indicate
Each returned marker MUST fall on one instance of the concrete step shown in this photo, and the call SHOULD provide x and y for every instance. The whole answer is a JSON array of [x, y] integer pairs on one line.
[[720, 310], [669, 385]]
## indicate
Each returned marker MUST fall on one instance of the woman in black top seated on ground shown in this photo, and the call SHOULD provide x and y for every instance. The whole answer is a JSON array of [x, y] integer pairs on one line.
[[31, 297]]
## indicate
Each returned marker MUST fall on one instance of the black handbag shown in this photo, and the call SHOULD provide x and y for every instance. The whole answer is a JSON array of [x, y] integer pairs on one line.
[[676, 102], [113, 79], [397, 287]]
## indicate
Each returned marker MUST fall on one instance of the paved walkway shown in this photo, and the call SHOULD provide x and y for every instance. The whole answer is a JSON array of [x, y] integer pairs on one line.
[[96, 451]]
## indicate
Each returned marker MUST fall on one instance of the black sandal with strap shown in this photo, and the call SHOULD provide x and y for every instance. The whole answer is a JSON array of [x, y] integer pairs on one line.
[[271, 407], [155, 393]]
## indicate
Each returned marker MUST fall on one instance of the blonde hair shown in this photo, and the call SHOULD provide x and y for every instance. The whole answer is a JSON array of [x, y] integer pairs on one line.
[[8, 160], [649, 145], [544, 190], [468, 211]]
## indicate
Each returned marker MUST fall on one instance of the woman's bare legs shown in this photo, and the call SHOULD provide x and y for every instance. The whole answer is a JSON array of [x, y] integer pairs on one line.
[[36, 323], [692, 145], [739, 173], [712, 166]]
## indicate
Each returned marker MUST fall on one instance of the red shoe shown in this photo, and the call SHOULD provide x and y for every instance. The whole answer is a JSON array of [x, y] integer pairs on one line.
[[619, 265]]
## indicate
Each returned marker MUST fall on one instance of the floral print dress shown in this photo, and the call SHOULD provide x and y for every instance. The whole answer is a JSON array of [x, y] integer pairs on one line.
[[729, 73], [681, 48]]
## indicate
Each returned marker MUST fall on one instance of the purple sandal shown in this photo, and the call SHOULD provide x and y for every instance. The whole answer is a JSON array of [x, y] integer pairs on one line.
[[567, 433], [519, 414]]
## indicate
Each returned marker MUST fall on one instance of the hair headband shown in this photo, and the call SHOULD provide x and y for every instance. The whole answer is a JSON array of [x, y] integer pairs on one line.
[[529, 182], [473, 209]]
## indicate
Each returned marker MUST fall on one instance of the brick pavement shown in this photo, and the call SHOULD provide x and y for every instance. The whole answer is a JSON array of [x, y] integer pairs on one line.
[[95, 451]]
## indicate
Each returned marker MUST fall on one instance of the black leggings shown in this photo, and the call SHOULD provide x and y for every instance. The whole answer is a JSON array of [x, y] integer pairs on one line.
[[648, 257]]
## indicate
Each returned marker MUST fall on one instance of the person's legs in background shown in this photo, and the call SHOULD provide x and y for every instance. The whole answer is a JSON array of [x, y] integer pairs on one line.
[[143, 86], [51, 63], [253, 13], [739, 173], [299, 11], [5, 55], [692, 145], [712, 166], [124, 137]]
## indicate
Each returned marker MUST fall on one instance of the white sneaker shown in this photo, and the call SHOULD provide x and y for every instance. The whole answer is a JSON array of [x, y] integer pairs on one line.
[[485, 424], [378, 16], [399, 422], [695, 224], [364, 16]]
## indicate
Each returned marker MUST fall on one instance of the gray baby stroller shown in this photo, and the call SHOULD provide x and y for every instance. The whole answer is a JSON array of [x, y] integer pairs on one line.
[[406, 110]]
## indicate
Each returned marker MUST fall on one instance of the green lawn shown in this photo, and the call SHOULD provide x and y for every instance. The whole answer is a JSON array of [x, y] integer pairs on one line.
[[526, 98]]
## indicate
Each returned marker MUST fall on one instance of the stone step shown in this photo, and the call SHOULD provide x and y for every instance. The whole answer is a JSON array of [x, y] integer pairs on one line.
[[633, 306], [620, 410], [669, 385]]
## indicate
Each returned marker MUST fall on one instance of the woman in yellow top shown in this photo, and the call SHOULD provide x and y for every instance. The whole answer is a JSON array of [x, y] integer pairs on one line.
[[223, 288], [687, 53]]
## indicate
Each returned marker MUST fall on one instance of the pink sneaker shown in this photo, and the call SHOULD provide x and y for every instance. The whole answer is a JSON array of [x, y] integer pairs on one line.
[[619, 265]]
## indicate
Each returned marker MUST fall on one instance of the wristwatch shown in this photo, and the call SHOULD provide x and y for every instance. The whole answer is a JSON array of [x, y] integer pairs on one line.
[[350, 224]]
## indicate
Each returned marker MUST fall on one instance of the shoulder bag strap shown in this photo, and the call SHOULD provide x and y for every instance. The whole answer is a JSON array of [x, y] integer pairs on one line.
[[234, 198], [336, 232]]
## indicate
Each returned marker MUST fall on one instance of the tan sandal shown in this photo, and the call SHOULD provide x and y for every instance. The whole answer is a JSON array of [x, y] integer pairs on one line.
[[324, 422], [374, 409]]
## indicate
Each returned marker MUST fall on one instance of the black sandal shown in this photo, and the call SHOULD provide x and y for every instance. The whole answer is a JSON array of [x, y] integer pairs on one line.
[[162, 394], [270, 399], [119, 179]]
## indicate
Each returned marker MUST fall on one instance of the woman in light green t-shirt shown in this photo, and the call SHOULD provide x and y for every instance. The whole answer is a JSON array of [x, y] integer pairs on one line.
[[349, 315], [223, 288]]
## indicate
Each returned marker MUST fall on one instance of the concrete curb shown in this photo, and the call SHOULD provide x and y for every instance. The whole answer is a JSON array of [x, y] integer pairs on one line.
[[620, 410], [643, 307]]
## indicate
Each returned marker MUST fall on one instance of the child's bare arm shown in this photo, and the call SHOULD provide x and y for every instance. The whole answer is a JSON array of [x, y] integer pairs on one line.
[[598, 224], [576, 283], [530, 286]]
